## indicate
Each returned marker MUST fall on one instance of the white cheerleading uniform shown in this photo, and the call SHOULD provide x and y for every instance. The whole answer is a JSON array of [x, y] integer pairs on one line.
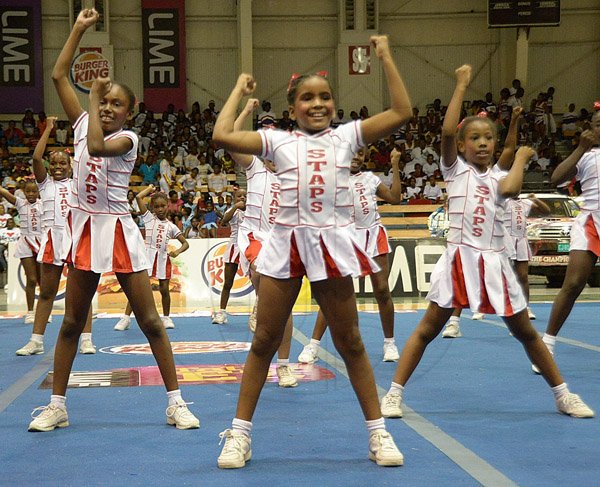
[[370, 233], [232, 252], [158, 234], [474, 272], [515, 223], [585, 232], [30, 217], [262, 205], [56, 198], [101, 235], [313, 232]]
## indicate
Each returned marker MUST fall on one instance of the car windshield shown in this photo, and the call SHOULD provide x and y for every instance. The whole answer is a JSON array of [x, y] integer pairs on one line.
[[559, 208]]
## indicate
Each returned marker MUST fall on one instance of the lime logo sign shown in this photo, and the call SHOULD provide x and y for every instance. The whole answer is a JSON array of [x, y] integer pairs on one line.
[[87, 67], [213, 273]]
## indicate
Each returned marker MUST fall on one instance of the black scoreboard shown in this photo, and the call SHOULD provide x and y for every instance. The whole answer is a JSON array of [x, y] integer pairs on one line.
[[521, 13]]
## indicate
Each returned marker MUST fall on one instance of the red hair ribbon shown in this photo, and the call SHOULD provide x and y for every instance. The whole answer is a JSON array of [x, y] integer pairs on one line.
[[295, 76], [597, 105], [481, 114]]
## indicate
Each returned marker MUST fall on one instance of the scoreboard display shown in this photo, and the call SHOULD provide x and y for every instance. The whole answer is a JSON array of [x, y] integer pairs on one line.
[[521, 13]]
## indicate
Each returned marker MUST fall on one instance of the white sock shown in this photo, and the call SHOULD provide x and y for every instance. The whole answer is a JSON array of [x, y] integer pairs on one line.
[[396, 389], [283, 361], [126, 316], [454, 319], [86, 336], [174, 397], [57, 400], [37, 338], [375, 424], [241, 426], [388, 340], [560, 390], [314, 343], [550, 341]]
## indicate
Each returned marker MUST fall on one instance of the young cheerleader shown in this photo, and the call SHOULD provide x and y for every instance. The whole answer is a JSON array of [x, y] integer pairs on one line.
[[371, 234], [583, 164], [55, 194], [313, 236], [504, 163], [28, 245], [234, 216], [159, 230], [101, 234], [474, 271], [262, 206]]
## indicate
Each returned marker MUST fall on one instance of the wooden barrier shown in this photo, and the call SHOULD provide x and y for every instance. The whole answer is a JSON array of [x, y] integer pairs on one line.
[[402, 209], [408, 233]]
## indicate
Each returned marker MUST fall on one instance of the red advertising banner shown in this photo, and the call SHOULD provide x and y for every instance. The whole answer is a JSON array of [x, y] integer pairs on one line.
[[359, 60], [21, 77], [163, 45]]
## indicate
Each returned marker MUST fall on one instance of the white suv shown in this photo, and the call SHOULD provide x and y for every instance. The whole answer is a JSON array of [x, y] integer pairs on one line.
[[549, 237]]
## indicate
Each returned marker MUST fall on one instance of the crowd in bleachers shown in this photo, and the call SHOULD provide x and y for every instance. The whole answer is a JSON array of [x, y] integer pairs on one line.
[[177, 155]]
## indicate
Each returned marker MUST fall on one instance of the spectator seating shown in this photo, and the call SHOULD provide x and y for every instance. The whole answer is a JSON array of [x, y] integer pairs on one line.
[[407, 221]]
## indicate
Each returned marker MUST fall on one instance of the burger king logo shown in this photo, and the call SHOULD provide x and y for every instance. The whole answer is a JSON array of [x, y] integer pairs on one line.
[[62, 285], [213, 273], [87, 67], [179, 348]]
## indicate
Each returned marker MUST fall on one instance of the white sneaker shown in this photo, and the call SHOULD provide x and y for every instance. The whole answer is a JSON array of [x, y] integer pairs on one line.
[[32, 348], [452, 330], [383, 451], [29, 318], [308, 355], [236, 451], [478, 316], [123, 324], [48, 418], [220, 317], [390, 352], [86, 347], [391, 405], [181, 417], [167, 322], [572, 405], [536, 369], [286, 377], [530, 313], [252, 317]]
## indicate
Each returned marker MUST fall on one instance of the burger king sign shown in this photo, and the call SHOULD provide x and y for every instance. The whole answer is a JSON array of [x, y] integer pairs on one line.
[[88, 66]]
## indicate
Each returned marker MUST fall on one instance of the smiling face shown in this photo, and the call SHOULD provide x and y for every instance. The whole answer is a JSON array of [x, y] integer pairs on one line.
[[59, 166], [115, 108], [477, 143], [357, 161], [313, 107]]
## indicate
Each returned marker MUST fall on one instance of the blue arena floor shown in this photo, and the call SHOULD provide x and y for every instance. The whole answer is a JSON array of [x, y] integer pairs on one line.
[[475, 413]]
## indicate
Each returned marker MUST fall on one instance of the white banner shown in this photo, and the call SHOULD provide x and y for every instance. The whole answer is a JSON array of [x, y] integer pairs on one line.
[[196, 281]]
